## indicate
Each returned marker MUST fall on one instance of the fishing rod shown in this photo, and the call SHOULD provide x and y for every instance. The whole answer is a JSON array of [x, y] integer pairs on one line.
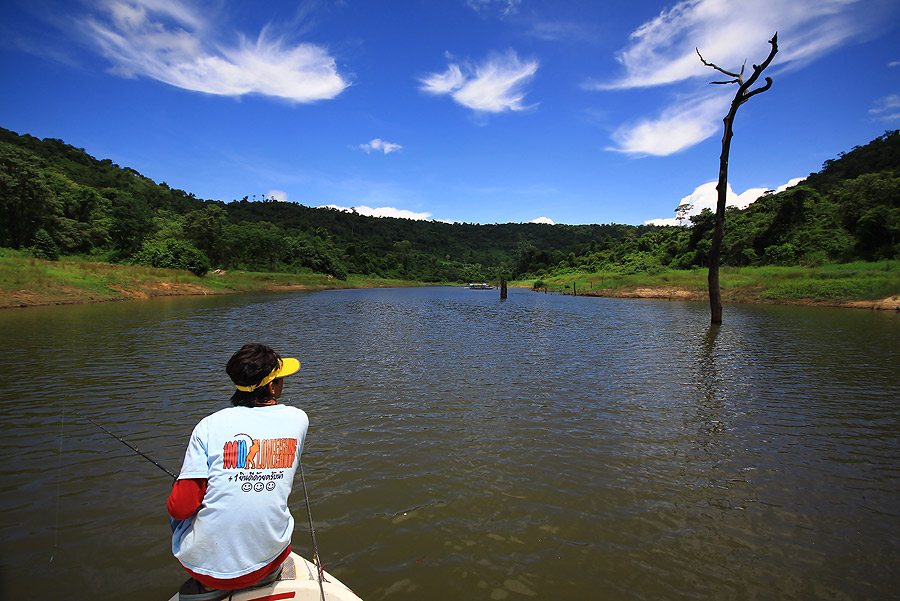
[[312, 530], [319, 567], [129, 445]]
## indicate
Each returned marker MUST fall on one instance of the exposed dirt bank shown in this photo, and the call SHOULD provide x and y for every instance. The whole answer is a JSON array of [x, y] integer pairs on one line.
[[891, 303], [69, 295]]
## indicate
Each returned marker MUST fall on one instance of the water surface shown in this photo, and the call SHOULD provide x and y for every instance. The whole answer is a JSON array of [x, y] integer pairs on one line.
[[464, 447]]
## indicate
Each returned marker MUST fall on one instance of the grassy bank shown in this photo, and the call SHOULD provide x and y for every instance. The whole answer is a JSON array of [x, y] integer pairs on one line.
[[874, 285], [25, 281]]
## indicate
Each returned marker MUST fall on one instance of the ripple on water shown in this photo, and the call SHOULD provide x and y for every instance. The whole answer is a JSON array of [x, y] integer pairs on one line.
[[460, 447]]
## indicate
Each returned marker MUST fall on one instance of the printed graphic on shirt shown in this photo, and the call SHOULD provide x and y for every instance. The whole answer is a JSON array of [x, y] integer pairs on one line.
[[246, 453]]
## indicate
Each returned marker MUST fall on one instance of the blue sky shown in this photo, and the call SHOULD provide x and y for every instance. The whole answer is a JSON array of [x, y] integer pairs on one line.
[[478, 111]]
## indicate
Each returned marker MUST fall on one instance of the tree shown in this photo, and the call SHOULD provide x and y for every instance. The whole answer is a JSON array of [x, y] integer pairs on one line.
[[44, 247], [24, 198], [206, 229], [132, 222], [173, 254], [741, 96], [682, 211]]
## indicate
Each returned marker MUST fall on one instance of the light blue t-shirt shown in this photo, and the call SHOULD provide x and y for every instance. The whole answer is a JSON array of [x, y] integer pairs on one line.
[[248, 456]]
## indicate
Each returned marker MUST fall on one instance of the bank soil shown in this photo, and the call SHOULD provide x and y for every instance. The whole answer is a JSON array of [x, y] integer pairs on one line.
[[891, 303], [70, 295]]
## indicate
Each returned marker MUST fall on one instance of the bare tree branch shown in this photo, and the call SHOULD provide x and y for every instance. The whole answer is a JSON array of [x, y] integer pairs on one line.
[[742, 96], [758, 90], [738, 77]]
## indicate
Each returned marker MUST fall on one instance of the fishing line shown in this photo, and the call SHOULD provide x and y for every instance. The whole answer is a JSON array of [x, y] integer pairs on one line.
[[312, 531], [62, 423], [130, 446]]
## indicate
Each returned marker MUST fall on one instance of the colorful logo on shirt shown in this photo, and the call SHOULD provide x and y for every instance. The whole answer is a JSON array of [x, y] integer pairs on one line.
[[251, 453]]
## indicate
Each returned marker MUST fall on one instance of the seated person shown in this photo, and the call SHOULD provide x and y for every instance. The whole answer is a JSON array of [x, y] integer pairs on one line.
[[229, 506]]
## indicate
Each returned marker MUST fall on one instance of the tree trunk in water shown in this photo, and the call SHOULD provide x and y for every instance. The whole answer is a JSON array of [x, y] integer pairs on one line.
[[715, 251], [742, 96]]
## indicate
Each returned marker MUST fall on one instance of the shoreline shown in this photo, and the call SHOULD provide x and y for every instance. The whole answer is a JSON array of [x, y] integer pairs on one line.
[[891, 303], [28, 282], [23, 299]]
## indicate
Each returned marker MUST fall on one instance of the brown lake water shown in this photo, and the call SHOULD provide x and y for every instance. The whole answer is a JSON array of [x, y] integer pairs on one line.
[[464, 447]]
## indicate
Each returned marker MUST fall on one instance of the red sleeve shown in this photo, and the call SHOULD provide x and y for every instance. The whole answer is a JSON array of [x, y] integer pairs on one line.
[[186, 497]]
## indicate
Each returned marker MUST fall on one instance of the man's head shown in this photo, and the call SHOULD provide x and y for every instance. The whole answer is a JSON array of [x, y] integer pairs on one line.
[[256, 371]]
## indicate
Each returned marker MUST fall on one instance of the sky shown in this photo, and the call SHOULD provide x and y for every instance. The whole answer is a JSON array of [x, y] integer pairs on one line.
[[475, 111]]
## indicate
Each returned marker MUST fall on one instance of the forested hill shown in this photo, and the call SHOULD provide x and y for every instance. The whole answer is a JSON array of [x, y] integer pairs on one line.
[[58, 198], [880, 155], [849, 211]]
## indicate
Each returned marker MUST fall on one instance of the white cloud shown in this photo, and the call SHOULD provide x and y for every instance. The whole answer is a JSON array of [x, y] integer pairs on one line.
[[379, 145], [706, 196], [555, 31], [678, 127], [506, 7], [662, 50], [666, 221], [380, 212], [280, 195], [888, 108], [791, 183], [546, 220], [170, 42], [493, 86]]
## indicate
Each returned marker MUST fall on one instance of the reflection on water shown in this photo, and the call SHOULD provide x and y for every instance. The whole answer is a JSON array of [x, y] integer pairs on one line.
[[466, 447]]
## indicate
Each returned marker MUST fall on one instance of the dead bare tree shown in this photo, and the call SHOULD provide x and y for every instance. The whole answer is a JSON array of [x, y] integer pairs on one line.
[[742, 96]]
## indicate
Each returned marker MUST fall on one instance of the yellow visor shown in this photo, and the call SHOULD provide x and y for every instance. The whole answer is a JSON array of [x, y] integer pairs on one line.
[[285, 368]]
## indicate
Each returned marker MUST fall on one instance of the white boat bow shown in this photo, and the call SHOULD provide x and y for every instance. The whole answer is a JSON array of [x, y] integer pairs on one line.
[[299, 581]]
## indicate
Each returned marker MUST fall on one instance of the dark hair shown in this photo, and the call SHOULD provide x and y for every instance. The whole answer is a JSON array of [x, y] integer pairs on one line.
[[248, 367]]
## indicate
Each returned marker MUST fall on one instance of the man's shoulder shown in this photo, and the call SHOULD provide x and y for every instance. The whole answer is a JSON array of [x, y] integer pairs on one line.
[[292, 413], [253, 413], [231, 415]]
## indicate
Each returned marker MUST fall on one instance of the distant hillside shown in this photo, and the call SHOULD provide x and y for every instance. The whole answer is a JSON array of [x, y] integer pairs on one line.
[[56, 199], [880, 155], [849, 211], [59, 198]]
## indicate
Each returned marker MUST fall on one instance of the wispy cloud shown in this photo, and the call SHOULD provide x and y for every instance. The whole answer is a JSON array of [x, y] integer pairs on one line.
[[555, 31], [492, 86], [380, 212], [174, 43], [505, 7], [379, 145], [887, 109], [678, 127], [662, 51]]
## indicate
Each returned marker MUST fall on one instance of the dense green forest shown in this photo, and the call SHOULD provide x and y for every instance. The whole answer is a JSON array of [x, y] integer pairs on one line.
[[56, 199], [849, 211]]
